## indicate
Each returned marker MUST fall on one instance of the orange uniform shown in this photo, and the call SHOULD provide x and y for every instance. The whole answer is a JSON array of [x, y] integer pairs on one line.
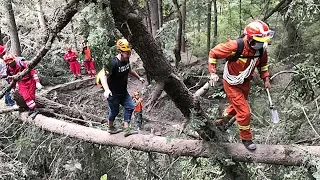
[[237, 94], [88, 61], [138, 102]]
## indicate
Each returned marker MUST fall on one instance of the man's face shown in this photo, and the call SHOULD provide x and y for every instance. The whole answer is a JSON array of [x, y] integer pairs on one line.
[[125, 55]]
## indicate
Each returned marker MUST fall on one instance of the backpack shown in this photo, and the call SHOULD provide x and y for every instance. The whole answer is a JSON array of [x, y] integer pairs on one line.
[[240, 48]]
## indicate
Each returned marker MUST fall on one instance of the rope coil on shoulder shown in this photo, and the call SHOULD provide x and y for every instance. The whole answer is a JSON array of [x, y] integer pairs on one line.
[[239, 79]]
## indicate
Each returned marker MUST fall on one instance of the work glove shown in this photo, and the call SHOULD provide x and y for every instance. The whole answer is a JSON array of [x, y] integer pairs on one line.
[[39, 86], [107, 93], [213, 79], [141, 79]]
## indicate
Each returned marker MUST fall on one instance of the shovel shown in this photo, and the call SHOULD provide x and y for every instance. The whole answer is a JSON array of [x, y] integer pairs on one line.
[[273, 112]]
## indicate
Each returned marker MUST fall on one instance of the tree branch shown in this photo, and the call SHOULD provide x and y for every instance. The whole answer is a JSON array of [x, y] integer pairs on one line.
[[277, 8]]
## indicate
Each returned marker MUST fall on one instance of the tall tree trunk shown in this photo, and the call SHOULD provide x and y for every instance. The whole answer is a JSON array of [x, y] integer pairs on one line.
[[240, 17], [154, 9], [1, 40], [184, 16], [209, 4], [198, 17], [177, 48], [41, 18], [149, 23], [160, 9], [15, 43], [215, 21], [229, 19]]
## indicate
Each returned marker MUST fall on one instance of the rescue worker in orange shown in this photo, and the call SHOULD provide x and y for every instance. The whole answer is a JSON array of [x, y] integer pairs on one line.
[[137, 112], [88, 60], [27, 85], [71, 57], [238, 74]]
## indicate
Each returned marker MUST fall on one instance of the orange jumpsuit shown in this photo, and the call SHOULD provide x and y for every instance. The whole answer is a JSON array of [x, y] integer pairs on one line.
[[88, 62], [238, 94]]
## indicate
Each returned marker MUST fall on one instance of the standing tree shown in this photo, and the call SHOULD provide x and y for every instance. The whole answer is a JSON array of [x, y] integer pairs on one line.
[[184, 16], [41, 17], [177, 48], [215, 21], [154, 16], [209, 5], [15, 43]]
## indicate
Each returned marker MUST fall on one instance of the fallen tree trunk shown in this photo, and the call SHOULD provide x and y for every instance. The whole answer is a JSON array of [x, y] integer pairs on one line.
[[269, 154], [43, 102]]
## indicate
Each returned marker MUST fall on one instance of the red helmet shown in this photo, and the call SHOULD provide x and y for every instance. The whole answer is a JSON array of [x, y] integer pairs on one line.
[[259, 31], [2, 49], [9, 58]]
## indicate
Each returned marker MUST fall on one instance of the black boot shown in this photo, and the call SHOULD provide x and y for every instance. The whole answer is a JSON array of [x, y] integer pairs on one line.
[[33, 113], [249, 145]]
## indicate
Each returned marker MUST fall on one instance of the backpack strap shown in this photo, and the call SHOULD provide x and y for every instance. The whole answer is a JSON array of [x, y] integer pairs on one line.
[[239, 50]]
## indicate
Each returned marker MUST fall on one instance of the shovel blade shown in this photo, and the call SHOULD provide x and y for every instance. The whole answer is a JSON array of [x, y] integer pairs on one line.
[[274, 116]]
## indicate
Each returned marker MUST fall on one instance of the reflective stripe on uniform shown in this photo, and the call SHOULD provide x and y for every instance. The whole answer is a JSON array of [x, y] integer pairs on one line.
[[243, 59], [264, 68], [31, 104], [244, 127], [212, 60]]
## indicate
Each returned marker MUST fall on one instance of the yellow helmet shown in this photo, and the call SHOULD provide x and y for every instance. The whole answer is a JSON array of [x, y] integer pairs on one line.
[[123, 45]]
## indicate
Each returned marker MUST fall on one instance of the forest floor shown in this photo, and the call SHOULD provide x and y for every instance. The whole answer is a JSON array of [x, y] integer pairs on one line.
[[163, 120]]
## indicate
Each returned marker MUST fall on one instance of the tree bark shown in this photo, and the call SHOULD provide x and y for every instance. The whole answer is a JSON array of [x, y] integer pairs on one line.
[[1, 40], [154, 16], [15, 43], [184, 18], [240, 17], [154, 60], [215, 21], [209, 4], [269, 154], [198, 17], [149, 24], [154, 96], [62, 18], [160, 13], [177, 49], [41, 17]]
